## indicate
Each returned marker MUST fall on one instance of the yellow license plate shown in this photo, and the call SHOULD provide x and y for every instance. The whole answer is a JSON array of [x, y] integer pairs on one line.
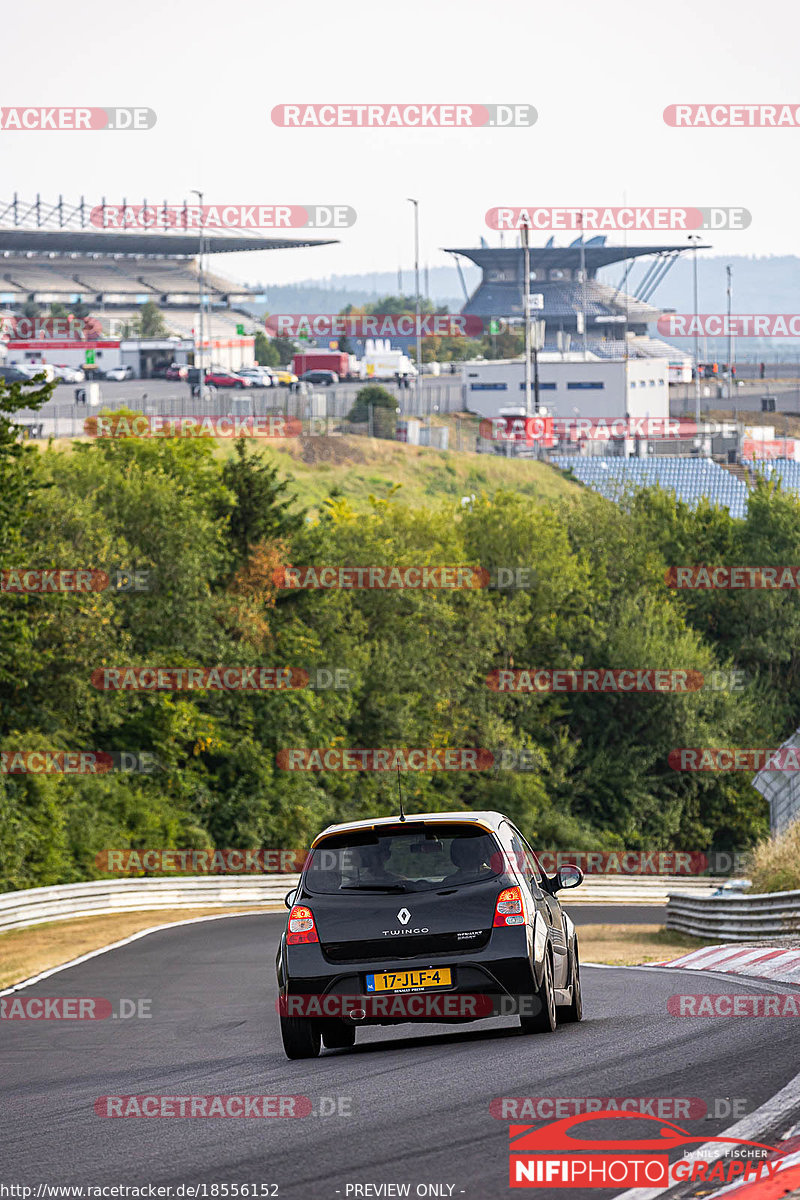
[[404, 981]]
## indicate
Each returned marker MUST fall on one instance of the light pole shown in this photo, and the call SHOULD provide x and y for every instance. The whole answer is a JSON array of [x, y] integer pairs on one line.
[[417, 305], [526, 309], [583, 286], [729, 273], [694, 238], [201, 378]]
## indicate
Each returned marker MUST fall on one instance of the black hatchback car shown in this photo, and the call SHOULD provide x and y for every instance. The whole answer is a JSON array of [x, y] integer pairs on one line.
[[435, 917]]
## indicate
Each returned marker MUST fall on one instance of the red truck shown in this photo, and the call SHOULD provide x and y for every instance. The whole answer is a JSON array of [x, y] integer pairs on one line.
[[322, 360]]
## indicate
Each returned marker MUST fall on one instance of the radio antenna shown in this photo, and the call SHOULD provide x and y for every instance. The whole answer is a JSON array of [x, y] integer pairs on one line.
[[400, 796]]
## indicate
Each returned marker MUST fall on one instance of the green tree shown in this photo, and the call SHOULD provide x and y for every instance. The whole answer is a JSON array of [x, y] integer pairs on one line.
[[20, 478], [266, 353], [263, 502], [151, 321], [375, 403]]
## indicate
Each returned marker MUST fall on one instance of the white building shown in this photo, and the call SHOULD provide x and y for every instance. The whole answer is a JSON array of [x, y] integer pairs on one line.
[[570, 385]]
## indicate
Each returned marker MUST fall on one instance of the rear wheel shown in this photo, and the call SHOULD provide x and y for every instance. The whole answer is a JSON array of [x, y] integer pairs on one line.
[[543, 1021], [300, 1036], [338, 1036], [574, 1010]]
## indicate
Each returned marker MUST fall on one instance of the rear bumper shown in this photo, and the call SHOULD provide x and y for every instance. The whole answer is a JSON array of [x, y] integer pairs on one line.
[[485, 984]]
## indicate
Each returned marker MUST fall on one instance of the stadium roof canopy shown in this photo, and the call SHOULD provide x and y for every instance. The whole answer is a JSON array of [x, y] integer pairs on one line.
[[563, 257], [564, 296], [71, 241], [42, 227]]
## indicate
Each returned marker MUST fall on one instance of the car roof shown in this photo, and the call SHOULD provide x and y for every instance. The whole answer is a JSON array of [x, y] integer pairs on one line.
[[488, 819]]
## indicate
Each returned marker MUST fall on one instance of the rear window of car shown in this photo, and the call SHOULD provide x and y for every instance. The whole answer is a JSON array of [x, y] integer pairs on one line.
[[403, 858]]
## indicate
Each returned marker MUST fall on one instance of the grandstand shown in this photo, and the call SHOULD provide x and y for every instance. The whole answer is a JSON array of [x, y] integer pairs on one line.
[[689, 479], [52, 254], [565, 277], [786, 470]]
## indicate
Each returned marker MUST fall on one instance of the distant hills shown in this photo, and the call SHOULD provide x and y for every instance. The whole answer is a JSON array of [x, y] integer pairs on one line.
[[769, 284]]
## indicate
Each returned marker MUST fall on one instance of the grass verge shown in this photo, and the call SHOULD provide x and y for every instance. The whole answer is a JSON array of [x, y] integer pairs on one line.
[[631, 945]]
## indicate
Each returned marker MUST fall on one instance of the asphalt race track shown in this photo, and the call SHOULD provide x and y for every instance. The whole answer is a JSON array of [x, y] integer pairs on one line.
[[419, 1105], [617, 914]]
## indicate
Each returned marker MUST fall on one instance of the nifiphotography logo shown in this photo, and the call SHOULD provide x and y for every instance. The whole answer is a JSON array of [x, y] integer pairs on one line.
[[552, 1156]]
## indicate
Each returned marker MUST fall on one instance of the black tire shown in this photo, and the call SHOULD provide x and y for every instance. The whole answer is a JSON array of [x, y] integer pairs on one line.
[[338, 1036], [545, 1020], [300, 1036], [574, 1010]]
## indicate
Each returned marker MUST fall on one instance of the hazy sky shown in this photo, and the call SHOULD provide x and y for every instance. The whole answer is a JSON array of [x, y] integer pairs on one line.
[[599, 76]]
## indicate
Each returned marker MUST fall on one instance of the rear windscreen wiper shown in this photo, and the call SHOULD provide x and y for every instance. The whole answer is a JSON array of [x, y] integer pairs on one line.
[[374, 887]]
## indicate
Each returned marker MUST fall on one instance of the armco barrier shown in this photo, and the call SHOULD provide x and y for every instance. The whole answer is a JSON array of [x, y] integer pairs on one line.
[[635, 889], [35, 905], [739, 918]]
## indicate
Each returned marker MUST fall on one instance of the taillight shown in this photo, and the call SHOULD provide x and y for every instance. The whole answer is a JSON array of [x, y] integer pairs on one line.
[[301, 926], [510, 908]]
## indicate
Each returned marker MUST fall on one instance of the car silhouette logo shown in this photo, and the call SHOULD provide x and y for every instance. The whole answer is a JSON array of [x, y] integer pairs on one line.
[[555, 1135], [404, 916]]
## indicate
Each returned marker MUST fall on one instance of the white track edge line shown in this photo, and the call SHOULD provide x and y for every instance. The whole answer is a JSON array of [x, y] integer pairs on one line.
[[749, 1128]]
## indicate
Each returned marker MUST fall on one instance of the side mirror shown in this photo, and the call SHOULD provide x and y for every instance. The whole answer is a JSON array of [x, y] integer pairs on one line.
[[288, 899], [568, 876]]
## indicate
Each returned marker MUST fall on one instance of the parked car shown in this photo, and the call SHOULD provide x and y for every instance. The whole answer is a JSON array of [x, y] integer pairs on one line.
[[11, 373], [450, 909], [285, 378], [326, 378], [119, 374], [734, 887], [29, 369], [159, 371], [67, 374], [176, 371], [227, 379], [260, 376]]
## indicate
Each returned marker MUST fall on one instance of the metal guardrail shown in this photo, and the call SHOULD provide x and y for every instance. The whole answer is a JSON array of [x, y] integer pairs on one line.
[[33, 906], [739, 918], [636, 889]]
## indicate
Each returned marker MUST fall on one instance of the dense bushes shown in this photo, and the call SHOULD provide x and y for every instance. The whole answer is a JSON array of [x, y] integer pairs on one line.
[[211, 533]]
